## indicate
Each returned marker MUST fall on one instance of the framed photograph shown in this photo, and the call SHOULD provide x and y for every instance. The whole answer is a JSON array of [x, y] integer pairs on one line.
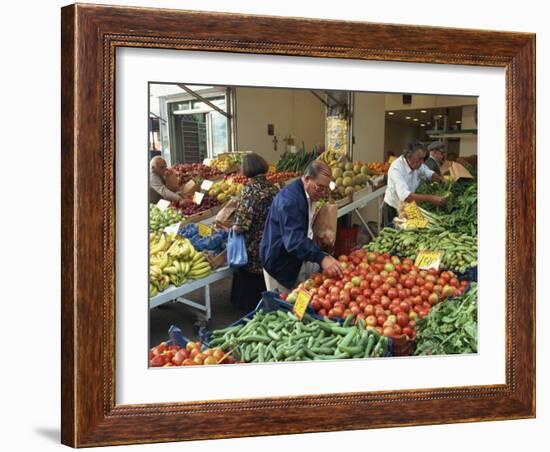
[[232, 265]]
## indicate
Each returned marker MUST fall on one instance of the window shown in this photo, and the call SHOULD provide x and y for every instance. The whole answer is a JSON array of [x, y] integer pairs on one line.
[[196, 129]]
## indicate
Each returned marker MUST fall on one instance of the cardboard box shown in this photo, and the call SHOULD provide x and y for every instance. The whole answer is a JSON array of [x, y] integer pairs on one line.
[[217, 260], [455, 170]]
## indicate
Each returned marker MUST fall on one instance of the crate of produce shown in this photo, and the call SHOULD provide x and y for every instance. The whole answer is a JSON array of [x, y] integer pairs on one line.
[[178, 350], [346, 240], [267, 335], [213, 245], [201, 216], [470, 274], [402, 345], [217, 260], [270, 302]]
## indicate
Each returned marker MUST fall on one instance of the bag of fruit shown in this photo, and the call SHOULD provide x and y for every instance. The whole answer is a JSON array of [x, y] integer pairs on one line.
[[324, 226]]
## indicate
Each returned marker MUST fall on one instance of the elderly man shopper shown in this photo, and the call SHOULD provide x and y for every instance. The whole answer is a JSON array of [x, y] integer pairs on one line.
[[437, 156], [404, 176], [287, 250], [157, 184]]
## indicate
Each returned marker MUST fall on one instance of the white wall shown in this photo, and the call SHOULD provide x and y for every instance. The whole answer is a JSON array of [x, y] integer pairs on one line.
[[368, 128], [292, 112], [468, 145], [395, 101]]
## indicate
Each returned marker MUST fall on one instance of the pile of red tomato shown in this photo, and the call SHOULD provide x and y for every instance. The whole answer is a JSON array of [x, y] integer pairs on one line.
[[236, 179], [164, 355], [389, 293], [281, 176]]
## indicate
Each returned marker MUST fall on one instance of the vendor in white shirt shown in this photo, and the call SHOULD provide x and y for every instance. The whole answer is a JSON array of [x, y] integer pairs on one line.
[[404, 176]]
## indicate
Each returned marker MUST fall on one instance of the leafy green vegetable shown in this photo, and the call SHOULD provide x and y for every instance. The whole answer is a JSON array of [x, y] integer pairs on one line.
[[459, 214], [450, 328]]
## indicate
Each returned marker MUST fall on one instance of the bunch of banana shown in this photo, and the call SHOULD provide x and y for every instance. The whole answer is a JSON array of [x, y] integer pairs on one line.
[[177, 272], [200, 268], [331, 157], [158, 281], [159, 261], [157, 245], [181, 249]]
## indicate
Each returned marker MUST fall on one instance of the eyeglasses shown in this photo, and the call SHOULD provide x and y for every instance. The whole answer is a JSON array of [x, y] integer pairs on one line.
[[320, 188]]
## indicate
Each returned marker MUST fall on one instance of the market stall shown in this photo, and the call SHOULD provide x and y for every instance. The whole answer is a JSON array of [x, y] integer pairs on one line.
[[396, 296]]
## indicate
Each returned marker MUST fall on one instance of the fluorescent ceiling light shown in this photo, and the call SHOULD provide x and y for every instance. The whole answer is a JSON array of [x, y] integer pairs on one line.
[[423, 111], [407, 117], [390, 113]]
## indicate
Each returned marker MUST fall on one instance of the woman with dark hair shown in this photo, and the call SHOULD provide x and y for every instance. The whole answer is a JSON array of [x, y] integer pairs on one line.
[[254, 203]]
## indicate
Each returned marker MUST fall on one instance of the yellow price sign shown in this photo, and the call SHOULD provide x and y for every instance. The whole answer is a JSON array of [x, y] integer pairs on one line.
[[301, 303], [428, 259], [204, 230]]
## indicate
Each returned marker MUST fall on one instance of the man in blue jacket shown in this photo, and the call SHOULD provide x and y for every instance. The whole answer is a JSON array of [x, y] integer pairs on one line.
[[287, 244]]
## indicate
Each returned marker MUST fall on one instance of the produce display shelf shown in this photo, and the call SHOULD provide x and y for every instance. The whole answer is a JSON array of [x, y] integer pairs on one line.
[[362, 202], [173, 293]]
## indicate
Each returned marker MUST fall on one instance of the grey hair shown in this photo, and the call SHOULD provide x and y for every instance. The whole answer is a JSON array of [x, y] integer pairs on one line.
[[316, 168], [412, 147]]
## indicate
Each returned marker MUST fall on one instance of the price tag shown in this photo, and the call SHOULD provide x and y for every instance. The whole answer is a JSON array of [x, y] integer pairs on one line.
[[172, 229], [204, 230], [301, 303], [163, 205], [332, 185], [207, 162], [206, 185], [428, 259], [197, 197]]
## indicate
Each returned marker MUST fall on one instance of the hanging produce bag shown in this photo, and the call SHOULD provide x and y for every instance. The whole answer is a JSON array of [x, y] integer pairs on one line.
[[225, 216], [324, 226], [236, 250]]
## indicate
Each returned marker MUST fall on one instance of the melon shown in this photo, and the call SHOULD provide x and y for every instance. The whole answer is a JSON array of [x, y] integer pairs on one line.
[[336, 173], [347, 182]]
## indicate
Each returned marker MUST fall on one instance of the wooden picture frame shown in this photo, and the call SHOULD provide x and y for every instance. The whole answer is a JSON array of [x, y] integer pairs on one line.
[[90, 36]]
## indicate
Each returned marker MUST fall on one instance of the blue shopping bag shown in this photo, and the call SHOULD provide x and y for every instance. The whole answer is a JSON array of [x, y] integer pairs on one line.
[[236, 250]]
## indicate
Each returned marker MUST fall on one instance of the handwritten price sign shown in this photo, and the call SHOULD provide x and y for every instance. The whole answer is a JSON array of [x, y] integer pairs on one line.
[[197, 197], [163, 204], [428, 259], [204, 230], [301, 303]]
